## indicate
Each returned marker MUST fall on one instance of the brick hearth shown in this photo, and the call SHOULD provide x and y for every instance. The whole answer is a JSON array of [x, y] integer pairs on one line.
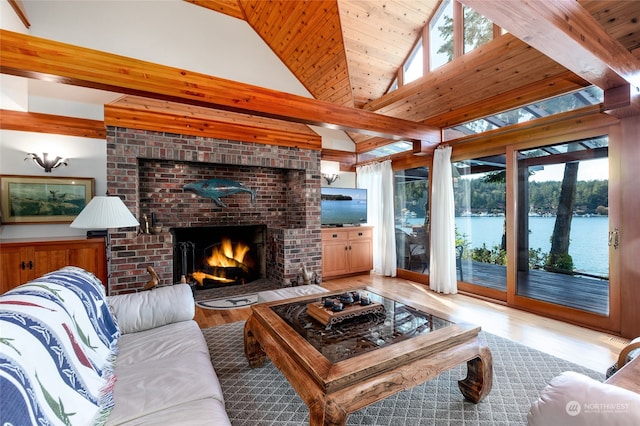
[[148, 169]]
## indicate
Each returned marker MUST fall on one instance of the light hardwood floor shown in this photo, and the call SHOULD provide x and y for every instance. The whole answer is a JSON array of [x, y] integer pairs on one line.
[[592, 349]]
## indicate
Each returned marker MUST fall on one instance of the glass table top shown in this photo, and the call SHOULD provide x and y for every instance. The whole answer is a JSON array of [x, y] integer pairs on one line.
[[396, 322]]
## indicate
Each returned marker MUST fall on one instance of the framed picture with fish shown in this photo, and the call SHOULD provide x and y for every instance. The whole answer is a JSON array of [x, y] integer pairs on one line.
[[37, 199]]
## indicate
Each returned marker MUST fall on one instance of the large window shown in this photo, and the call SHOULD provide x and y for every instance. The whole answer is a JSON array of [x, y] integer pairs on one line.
[[412, 219], [413, 68], [441, 36], [478, 30]]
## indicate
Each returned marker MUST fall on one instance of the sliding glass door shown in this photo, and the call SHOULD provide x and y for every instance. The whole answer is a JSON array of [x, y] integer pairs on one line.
[[563, 226], [479, 193], [412, 219]]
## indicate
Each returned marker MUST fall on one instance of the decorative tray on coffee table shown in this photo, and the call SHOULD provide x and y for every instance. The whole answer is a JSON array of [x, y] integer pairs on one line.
[[326, 314]]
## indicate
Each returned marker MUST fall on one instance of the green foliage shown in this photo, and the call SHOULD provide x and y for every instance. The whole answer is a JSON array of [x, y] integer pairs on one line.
[[496, 255], [537, 258], [487, 195], [562, 263], [478, 30]]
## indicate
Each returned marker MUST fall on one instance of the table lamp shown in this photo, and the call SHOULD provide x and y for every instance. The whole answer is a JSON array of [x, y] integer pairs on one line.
[[104, 213]]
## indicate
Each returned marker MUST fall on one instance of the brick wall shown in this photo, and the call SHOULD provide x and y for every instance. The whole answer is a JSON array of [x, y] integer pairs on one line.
[[148, 169]]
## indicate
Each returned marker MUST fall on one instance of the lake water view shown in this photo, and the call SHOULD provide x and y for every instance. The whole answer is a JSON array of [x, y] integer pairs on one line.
[[589, 237]]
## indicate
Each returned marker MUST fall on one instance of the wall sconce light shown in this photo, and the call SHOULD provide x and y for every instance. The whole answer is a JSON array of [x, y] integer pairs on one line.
[[45, 162], [330, 178]]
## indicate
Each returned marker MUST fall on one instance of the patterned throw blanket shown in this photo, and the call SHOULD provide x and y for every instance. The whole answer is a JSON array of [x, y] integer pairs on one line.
[[58, 344]]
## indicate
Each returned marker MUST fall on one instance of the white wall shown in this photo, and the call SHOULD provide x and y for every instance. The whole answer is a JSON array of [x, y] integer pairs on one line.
[[87, 159], [174, 33]]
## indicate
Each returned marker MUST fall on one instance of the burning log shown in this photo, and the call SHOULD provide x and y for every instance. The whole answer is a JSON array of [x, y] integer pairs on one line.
[[225, 265]]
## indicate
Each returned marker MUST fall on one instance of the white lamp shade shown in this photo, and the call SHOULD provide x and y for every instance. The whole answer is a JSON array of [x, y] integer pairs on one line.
[[104, 212]]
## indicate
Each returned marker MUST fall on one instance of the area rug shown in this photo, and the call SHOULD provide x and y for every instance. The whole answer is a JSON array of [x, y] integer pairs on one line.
[[262, 396], [232, 302]]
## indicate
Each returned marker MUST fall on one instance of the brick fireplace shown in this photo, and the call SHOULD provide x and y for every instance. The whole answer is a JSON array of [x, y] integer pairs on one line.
[[219, 256], [149, 169]]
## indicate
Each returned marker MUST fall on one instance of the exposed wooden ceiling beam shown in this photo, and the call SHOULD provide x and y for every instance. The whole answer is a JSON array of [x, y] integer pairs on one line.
[[162, 116], [565, 32], [346, 159], [228, 7], [38, 58], [55, 124], [18, 7]]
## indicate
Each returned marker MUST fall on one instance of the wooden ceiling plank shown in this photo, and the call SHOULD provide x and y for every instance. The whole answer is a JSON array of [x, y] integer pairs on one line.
[[564, 31], [280, 28], [227, 7], [447, 88], [314, 58], [621, 19], [330, 65], [38, 58], [510, 79], [315, 48], [507, 46], [552, 86], [306, 25]]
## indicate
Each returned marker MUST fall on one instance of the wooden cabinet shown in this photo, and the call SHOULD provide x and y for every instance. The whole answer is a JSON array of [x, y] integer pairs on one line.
[[346, 251], [25, 259]]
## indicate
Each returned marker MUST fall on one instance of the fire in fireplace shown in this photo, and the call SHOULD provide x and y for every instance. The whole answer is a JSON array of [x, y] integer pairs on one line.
[[228, 263], [219, 256]]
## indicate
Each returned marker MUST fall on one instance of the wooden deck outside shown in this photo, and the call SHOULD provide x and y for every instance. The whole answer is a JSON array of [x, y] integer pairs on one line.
[[575, 291]]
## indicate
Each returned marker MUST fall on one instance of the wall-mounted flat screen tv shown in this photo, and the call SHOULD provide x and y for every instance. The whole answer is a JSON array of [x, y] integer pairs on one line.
[[343, 206]]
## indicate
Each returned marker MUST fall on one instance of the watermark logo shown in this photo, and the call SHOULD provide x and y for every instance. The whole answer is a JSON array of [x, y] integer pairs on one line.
[[573, 408]]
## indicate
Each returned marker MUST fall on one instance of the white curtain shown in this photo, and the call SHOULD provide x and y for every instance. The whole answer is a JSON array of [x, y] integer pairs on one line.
[[377, 179], [442, 271]]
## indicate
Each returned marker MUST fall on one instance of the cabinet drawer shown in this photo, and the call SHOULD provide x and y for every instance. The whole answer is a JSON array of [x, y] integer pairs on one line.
[[335, 235], [360, 234]]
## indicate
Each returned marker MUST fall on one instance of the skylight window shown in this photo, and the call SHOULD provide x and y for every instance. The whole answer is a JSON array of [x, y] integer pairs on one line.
[[567, 102], [384, 151]]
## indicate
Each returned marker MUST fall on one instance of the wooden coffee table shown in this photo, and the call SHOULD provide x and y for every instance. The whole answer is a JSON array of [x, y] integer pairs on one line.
[[340, 369]]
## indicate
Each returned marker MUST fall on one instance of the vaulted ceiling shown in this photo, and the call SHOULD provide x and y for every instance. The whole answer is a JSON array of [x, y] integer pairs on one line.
[[348, 52]]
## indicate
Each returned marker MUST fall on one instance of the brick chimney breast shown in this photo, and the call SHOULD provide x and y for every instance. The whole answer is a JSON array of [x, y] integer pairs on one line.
[[148, 170]]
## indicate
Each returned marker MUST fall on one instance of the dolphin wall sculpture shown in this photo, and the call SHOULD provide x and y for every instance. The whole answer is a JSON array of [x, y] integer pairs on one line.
[[217, 188]]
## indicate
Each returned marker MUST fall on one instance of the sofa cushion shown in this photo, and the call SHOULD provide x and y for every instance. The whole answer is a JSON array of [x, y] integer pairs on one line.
[[169, 340], [575, 399], [154, 308], [201, 412], [146, 388]]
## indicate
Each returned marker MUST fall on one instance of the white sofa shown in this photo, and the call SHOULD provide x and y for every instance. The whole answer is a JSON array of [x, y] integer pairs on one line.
[[70, 355], [574, 399]]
